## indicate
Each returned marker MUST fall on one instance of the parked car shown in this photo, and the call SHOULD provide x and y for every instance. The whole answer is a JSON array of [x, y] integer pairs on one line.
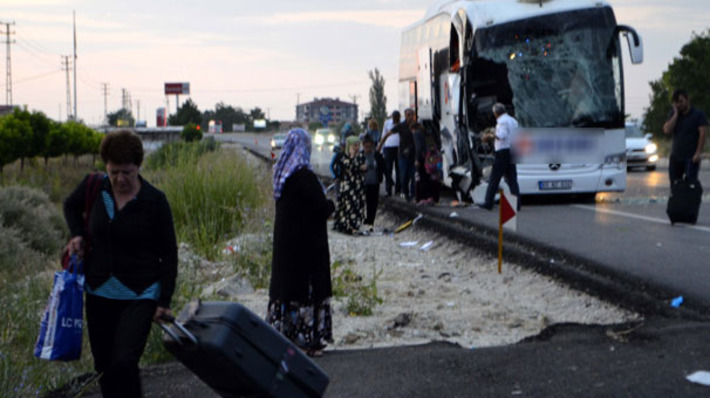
[[640, 150], [324, 137], [278, 140]]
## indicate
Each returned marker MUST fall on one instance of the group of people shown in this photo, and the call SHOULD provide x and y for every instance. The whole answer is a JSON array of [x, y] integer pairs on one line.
[[413, 153], [131, 256], [405, 147]]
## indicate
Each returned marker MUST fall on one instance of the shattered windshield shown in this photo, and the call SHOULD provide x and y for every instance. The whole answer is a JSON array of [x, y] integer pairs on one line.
[[559, 70]]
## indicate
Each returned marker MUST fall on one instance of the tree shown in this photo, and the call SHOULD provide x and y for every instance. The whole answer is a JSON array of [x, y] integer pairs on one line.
[[40, 124], [690, 71], [56, 141], [378, 100], [24, 148], [14, 133], [121, 118], [187, 113], [227, 114]]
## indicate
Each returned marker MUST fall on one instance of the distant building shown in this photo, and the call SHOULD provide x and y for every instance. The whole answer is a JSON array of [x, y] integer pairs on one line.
[[7, 109], [328, 110]]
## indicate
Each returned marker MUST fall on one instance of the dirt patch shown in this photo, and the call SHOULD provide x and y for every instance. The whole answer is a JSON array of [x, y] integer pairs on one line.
[[434, 289]]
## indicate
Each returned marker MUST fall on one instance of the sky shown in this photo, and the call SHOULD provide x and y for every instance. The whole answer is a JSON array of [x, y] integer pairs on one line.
[[246, 53]]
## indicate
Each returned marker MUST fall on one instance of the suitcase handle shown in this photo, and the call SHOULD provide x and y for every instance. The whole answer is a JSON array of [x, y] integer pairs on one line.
[[172, 334]]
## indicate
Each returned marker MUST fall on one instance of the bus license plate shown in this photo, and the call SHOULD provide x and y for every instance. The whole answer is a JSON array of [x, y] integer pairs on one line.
[[555, 185]]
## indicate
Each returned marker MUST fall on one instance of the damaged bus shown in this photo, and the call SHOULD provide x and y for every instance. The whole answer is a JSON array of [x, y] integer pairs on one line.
[[555, 64]]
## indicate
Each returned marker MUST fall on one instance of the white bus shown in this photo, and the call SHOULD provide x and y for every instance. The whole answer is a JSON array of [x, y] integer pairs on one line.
[[556, 65]]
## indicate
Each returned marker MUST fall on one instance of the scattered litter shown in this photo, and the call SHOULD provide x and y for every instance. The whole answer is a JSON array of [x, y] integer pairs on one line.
[[330, 187], [409, 244], [700, 377], [453, 214], [456, 203], [230, 249], [450, 304], [417, 218], [425, 247], [676, 302], [404, 226], [659, 244], [552, 261]]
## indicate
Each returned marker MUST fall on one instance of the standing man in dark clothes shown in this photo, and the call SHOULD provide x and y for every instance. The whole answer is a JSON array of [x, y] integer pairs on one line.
[[389, 146], [407, 152], [688, 126]]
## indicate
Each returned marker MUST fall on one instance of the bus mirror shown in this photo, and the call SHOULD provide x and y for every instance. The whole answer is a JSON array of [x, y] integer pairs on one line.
[[635, 43]]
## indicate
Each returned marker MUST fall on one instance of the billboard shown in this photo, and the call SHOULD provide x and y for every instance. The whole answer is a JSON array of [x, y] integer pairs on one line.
[[259, 124], [177, 88]]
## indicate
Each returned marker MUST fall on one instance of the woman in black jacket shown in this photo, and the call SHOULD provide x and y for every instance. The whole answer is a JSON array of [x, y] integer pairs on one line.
[[300, 289], [130, 261]]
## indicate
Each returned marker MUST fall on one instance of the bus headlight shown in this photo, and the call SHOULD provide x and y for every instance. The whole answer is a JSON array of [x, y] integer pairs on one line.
[[617, 159], [651, 148], [319, 140]]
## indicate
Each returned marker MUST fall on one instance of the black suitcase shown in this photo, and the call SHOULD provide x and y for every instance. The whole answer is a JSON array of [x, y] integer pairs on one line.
[[238, 354], [684, 203]]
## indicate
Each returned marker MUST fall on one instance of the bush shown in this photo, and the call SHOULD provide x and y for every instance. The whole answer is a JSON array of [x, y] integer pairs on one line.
[[361, 297], [210, 198], [191, 132], [36, 220], [176, 152]]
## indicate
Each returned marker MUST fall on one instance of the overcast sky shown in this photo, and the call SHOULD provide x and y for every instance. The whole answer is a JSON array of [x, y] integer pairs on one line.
[[248, 53]]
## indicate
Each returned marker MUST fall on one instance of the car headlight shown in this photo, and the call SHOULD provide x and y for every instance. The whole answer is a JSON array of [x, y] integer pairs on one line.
[[319, 140], [616, 159], [331, 138], [651, 148], [273, 143]]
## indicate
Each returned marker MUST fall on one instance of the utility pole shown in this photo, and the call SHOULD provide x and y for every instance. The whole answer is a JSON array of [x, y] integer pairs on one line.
[[138, 110], [76, 115], [354, 97], [104, 89], [8, 67], [65, 67]]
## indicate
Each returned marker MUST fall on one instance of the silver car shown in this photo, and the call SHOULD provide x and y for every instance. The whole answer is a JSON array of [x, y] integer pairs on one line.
[[278, 140], [640, 150]]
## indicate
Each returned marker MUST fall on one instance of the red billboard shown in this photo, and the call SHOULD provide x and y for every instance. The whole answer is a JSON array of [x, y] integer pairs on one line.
[[177, 88]]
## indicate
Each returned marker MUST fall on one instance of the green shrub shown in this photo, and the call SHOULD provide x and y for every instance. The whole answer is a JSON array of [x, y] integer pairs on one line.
[[177, 152], [211, 198], [191, 132], [29, 212], [361, 298]]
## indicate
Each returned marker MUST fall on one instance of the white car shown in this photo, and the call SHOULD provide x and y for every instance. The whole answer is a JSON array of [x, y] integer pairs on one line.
[[640, 150], [324, 137], [278, 140]]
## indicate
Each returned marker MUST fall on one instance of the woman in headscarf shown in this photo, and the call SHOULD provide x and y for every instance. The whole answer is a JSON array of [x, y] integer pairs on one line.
[[300, 289], [351, 201]]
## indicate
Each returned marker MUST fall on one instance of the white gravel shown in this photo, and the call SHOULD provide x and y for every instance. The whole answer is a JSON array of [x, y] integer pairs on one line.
[[450, 292]]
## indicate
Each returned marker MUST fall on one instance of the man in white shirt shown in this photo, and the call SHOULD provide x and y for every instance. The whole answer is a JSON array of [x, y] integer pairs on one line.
[[503, 165], [389, 145]]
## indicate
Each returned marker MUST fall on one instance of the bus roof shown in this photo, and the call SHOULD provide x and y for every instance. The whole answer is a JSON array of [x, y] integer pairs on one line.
[[484, 13]]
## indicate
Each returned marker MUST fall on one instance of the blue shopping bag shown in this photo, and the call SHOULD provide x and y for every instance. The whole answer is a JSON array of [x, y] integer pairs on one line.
[[61, 328]]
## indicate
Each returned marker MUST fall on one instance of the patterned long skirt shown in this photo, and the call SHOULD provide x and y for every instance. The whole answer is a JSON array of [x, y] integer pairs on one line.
[[309, 325]]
